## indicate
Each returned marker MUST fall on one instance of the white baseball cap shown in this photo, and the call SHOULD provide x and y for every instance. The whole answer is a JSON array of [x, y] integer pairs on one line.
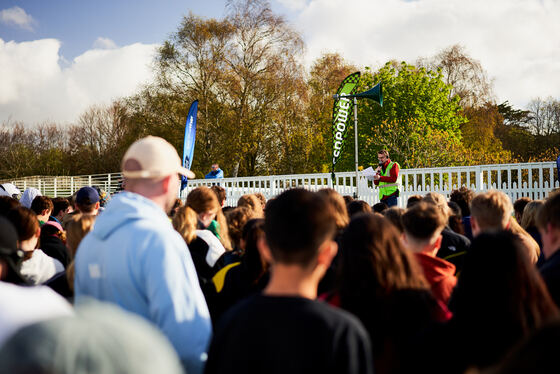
[[11, 189], [152, 157]]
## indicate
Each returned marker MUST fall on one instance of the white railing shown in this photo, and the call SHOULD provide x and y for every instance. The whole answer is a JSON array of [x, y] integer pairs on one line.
[[534, 180]]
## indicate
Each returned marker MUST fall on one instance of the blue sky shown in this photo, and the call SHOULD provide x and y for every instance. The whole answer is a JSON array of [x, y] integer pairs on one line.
[[59, 57], [78, 24]]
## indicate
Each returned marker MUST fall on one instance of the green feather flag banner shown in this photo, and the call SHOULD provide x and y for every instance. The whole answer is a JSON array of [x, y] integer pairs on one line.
[[341, 114]]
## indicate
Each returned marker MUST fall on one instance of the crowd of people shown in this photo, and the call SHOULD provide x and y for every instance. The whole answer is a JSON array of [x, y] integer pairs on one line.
[[305, 282]]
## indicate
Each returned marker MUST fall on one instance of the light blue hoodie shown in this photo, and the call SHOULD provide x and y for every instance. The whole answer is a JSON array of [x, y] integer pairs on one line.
[[134, 258]]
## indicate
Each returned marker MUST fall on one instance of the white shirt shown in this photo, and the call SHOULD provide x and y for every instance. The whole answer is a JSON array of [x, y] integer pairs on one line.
[[40, 268]]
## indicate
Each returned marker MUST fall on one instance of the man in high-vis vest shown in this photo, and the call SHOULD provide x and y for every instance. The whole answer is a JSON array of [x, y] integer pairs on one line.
[[387, 179]]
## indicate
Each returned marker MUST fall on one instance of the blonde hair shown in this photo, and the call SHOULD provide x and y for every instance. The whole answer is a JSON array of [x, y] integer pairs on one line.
[[184, 222], [338, 205], [252, 202], [527, 241], [76, 229], [439, 201], [202, 199], [492, 210], [261, 198], [529, 218]]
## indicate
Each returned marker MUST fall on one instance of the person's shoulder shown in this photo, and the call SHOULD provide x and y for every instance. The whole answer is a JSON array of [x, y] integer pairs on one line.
[[551, 267], [455, 237]]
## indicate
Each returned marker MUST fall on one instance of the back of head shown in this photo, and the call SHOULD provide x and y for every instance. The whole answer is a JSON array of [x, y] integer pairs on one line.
[[7, 203], [374, 257], [338, 206], [549, 214], [261, 198], [358, 206], [379, 207], [60, 204], [439, 201], [202, 199], [463, 197], [52, 228], [519, 206], [423, 222], [40, 204], [220, 193], [498, 275], [76, 229], [347, 199], [394, 215], [87, 199], [491, 210], [236, 219], [529, 217], [10, 256], [413, 200], [185, 223], [297, 223], [253, 231], [253, 203], [25, 221]]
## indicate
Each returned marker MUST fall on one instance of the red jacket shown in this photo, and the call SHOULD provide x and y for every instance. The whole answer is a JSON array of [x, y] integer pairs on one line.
[[440, 274]]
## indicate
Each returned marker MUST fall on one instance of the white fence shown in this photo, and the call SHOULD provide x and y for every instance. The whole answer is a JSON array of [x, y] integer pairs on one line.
[[534, 180]]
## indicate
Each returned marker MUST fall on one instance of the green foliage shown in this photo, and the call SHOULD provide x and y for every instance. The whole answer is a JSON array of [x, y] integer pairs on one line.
[[416, 112]]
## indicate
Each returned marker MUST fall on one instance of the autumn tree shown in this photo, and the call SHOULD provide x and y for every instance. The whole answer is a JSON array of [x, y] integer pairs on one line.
[[325, 76]]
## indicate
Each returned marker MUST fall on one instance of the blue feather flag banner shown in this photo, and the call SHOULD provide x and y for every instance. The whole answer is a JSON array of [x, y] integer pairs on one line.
[[190, 137]]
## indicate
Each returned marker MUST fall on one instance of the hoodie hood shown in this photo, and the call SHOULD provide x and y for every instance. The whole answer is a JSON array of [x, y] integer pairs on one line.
[[435, 268], [125, 208], [28, 196]]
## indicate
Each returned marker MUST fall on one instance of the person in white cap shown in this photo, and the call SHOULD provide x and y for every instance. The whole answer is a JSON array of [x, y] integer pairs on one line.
[[134, 258], [10, 189]]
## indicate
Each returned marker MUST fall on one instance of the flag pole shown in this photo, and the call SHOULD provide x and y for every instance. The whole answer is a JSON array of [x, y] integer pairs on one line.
[[357, 193]]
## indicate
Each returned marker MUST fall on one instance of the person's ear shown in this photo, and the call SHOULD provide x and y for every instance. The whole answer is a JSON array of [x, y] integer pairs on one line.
[[264, 250], [474, 226], [166, 183], [437, 244], [97, 205], [327, 252], [44, 212], [404, 239]]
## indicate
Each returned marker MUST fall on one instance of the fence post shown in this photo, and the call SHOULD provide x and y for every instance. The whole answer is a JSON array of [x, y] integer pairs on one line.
[[89, 180], [479, 178], [55, 189]]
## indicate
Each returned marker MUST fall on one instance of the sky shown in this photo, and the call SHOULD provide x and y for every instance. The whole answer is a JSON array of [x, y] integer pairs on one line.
[[59, 57]]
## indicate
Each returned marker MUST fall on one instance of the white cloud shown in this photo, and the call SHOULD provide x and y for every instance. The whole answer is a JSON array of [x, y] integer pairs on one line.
[[516, 41], [104, 43], [16, 16], [294, 4], [36, 87]]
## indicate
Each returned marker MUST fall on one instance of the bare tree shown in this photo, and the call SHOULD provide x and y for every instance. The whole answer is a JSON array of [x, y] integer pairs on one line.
[[545, 116], [467, 76]]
